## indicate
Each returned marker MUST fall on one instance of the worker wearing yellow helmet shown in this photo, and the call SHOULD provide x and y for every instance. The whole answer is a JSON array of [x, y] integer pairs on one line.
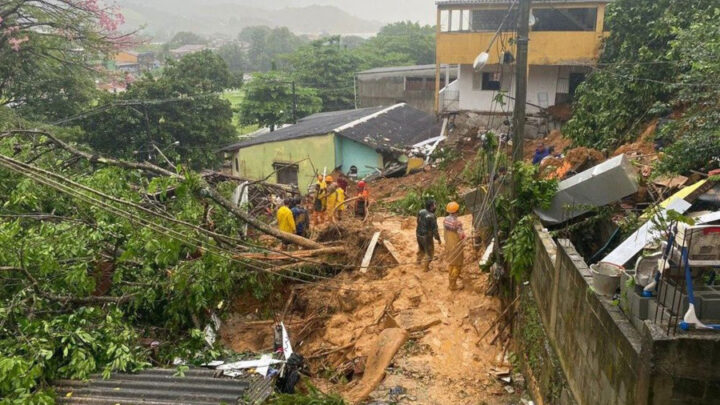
[[320, 203], [454, 236]]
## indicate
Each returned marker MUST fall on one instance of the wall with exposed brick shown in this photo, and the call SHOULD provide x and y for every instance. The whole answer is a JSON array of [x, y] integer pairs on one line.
[[604, 358]]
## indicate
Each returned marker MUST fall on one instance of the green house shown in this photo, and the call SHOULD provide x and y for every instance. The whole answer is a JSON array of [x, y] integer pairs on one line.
[[360, 141]]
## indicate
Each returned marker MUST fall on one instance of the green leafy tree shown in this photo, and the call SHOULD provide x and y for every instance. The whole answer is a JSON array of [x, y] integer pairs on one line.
[[84, 276], [694, 139], [266, 46], [234, 55], [42, 73], [180, 112], [268, 100], [634, 83], [402, 42], [327, 67]]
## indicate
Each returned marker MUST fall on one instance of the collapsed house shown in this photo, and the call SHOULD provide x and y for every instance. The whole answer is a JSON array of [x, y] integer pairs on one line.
[[357, 142]]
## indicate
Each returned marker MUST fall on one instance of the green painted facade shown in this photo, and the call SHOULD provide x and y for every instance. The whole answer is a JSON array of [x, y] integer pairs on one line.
[[256, 162], [350, 153], [316, 152]]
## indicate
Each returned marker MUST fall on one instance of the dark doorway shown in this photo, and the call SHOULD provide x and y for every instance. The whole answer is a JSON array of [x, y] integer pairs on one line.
[[286, 173], [575, 80]]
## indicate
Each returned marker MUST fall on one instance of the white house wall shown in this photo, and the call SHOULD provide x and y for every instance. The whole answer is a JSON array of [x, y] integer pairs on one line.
[[542, 81]]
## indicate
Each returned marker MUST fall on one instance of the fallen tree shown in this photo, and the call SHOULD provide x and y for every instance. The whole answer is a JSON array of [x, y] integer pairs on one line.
[[92, 267]]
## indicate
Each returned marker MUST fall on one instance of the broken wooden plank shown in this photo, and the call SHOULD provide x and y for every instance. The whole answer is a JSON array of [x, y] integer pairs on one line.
[[369, 253], [393, 252]]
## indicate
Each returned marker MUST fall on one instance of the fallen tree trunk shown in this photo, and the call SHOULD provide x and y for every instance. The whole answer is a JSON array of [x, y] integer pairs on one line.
[[204, 190], [292, 255]]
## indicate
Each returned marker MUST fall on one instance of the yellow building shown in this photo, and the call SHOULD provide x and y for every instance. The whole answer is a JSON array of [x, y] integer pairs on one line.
[[565, 41]]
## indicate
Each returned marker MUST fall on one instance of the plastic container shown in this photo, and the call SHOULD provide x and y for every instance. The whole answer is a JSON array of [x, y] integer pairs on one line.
[[606, 278]]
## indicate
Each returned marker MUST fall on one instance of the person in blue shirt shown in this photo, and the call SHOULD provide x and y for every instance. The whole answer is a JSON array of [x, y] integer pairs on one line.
[[302, 219]]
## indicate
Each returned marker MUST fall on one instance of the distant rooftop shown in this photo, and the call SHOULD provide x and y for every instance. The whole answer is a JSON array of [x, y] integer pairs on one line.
[[420, 70]]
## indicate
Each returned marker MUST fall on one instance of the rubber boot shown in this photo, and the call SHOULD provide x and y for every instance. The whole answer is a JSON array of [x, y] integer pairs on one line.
[[453, 274], [426, 264]]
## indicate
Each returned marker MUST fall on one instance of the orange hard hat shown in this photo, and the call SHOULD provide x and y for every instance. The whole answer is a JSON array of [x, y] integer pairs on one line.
[[329, 178], [452, 207], [361, 184]]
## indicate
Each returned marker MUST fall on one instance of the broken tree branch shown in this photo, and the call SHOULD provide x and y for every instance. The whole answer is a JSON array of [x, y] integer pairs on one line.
[[204, 190], [294, 255]]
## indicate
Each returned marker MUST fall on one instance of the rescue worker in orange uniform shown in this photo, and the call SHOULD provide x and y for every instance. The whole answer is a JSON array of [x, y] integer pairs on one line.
[[363, 200], [454, 243]]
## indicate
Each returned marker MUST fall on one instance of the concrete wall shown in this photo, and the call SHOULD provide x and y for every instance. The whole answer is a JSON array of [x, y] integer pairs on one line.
[[256, 162], [603, 357], [598, 348], [386, 91], [542, 79]]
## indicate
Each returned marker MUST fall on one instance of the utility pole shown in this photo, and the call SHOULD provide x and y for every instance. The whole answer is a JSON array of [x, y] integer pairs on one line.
[[521, 73], [294, 95]]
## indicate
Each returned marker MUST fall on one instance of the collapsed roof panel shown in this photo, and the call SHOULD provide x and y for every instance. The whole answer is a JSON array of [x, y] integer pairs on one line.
[[602, 184]]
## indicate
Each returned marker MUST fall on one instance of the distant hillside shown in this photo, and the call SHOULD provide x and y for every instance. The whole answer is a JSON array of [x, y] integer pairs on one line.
[[163, 18]]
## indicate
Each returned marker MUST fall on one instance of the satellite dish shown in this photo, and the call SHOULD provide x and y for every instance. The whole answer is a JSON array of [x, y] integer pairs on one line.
[[532, 19], [480, 61]]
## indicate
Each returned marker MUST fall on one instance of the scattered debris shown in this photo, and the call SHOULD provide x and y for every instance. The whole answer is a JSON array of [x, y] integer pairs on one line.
[[369, 253], [386, 345]]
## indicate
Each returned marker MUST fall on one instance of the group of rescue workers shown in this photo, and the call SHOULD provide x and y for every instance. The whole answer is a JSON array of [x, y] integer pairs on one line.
[[329, 202], [427, 232]]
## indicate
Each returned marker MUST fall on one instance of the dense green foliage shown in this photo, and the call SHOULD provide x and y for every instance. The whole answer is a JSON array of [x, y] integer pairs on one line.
[[267, 45], [330, 69], [401, 43], [180, 112], [694, 140], [84, 278], [269, 100], [652, 60], [532, 192], [442, 191]]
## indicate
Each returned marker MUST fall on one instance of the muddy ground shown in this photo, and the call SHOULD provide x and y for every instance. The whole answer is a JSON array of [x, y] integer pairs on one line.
[[335, 324]]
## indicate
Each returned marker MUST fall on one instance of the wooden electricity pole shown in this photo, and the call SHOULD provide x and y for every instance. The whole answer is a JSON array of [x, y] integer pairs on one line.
[[521, 73]]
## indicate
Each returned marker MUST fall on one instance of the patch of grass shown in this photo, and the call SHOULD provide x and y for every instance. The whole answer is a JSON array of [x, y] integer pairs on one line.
[[236, 97]]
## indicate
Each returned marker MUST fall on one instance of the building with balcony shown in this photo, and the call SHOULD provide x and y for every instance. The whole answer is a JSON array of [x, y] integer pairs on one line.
[[565, 41]]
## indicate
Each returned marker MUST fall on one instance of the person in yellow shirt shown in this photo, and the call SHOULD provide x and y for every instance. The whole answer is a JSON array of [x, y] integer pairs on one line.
[[285, 219], [319, 204], [332, 199], [340, 202]]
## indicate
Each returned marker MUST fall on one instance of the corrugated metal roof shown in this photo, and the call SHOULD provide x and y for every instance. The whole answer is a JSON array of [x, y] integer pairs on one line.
[[398, 69], [481, 2], [400, 125], [161, 387]]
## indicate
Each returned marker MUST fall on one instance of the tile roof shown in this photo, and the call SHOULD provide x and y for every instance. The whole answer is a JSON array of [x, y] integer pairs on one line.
[[399, 125]]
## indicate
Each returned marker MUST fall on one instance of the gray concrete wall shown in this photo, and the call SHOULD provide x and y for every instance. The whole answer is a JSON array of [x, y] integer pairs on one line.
[[604, 358], [373, 92], [598, 349]]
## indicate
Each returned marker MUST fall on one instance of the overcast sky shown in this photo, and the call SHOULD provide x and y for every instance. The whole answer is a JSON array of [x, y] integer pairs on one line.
[[378, 10]]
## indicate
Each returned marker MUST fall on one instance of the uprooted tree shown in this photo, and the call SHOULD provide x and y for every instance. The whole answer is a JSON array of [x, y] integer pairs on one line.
[[99, 254]]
